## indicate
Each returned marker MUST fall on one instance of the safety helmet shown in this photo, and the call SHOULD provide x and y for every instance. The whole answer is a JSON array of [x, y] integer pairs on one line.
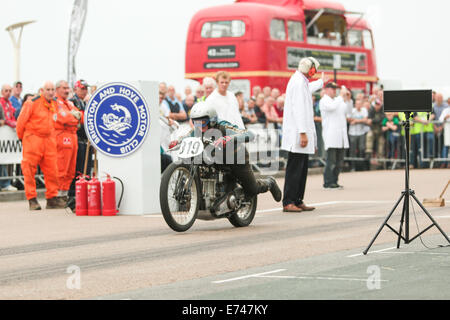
[[306, 64], [203, 111]]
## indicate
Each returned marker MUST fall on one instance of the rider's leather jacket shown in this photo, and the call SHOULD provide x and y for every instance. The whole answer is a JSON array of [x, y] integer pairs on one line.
[[237, 138]]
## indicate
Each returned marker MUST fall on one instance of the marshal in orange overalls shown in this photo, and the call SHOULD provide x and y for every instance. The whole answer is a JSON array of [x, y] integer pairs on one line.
[[66, 141], [35, 127]]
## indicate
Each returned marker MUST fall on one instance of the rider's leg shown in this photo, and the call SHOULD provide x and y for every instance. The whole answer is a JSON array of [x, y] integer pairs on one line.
[[253, 186]]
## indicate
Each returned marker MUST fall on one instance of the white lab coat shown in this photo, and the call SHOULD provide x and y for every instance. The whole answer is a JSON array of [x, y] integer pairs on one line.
[[446, 126], [298, 115], [334, 121]]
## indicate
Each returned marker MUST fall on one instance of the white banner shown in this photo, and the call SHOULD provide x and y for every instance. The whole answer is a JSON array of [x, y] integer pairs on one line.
[[10, 146], [79, 12]]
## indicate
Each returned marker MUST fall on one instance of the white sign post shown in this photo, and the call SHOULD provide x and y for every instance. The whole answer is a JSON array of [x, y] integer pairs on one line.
[[10, 146], [140, 171]]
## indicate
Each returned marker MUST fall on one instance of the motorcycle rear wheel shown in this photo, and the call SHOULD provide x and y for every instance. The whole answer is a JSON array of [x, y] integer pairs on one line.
[[179, 214], [244, 216]]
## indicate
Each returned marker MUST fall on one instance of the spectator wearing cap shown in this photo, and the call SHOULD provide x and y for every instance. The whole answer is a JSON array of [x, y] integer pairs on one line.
[[174, 106], [376, 135], [79, 100], [15, 98], [334, 111]]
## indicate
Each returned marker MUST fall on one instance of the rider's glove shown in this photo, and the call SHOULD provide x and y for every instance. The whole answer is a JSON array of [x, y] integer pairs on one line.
[[173, 144], [221, 142]]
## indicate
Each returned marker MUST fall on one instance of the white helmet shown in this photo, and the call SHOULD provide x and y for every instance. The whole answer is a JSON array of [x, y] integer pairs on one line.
[[307, 63], [203, 110]]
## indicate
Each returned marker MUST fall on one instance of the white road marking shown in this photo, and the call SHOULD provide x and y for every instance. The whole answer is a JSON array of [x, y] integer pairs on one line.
[[348, 216], [320, 204], [320, 278], [249, 276], [376, 251], [424, 253]]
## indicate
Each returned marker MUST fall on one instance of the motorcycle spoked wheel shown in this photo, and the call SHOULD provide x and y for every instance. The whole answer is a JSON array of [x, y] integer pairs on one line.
[[179, 214], [244, 216]]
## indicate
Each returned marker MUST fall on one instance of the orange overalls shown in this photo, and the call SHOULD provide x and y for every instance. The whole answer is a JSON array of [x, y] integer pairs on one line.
[[66, 142], [35, 127]]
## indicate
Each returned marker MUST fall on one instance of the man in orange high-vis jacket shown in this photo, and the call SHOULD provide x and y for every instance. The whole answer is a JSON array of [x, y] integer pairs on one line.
[[66, 125], [36, 129]]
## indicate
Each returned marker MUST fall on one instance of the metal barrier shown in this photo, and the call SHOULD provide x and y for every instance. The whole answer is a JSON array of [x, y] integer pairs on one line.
[[427, 150]]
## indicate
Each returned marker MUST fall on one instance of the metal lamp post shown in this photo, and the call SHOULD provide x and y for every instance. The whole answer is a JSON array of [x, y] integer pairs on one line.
[[16, 44]]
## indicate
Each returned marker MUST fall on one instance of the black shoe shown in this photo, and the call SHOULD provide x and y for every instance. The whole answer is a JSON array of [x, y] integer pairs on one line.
[[274, 189], [71, 203], [335, 186], [34, 204], [55, 203]]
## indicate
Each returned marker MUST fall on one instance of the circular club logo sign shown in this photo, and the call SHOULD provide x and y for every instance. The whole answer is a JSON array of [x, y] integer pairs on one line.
[[117, 119]]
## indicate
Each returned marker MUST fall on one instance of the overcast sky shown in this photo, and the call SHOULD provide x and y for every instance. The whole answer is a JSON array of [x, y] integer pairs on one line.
[[145, 40]]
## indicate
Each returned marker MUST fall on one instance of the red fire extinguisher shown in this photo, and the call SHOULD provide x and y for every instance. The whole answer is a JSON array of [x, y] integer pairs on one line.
[[81, 196], [94, 193], [109, 196]]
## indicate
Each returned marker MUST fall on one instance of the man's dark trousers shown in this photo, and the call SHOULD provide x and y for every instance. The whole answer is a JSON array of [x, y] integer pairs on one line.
[[81, 157], [295, 179], [335, 162]]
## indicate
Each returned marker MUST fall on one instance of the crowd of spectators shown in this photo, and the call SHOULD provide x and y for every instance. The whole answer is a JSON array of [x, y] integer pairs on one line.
[[12, 103], [375, 137]]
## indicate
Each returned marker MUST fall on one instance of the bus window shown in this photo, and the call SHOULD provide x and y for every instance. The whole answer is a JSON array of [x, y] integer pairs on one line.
[[222, 29], [355, 38], [277, 29], [368, 44], [328, 30], [295, 30]]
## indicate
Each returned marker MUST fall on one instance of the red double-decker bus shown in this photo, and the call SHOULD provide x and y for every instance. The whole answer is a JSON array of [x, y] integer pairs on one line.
[[260, 42]]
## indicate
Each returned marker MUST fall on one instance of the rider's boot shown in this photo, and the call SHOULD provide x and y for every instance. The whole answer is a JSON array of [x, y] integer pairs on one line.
[[273, 188]]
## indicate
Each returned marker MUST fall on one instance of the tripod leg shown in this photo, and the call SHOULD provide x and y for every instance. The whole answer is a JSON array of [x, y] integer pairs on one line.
[[401, 224], [431, 218], [384, 223]]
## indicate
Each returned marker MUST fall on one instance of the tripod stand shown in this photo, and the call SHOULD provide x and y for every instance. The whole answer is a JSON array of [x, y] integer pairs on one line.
[[406, 195]]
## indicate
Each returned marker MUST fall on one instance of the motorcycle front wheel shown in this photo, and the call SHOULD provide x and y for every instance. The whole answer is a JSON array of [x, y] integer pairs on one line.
[[179, 196]]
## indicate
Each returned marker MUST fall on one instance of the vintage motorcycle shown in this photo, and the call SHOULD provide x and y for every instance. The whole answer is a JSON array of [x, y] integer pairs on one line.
[[197, 188]]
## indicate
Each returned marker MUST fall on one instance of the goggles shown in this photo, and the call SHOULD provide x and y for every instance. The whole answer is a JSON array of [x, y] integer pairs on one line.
[[200, 123]]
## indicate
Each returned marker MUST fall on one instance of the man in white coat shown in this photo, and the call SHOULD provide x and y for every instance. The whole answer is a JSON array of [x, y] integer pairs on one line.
[[334, 113], [299, 132]]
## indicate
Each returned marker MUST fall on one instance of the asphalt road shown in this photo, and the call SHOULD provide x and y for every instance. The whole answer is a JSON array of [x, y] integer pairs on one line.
[[54, 254]]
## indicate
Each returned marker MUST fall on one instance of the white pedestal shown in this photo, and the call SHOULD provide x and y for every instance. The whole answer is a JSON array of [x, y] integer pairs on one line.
[[140, 172]]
